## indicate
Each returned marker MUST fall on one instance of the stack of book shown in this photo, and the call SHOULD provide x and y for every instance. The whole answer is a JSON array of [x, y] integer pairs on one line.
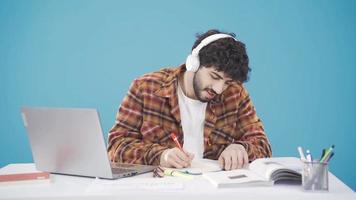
[[22, 173]]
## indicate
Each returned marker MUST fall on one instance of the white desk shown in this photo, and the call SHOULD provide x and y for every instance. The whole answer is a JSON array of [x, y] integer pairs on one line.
[[140, 187]]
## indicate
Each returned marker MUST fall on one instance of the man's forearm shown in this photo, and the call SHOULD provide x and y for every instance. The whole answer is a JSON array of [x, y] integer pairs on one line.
[[132, 150], [257, 146]]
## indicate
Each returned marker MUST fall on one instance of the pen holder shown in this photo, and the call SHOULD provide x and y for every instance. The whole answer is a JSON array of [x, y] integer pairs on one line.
[[315, 176]]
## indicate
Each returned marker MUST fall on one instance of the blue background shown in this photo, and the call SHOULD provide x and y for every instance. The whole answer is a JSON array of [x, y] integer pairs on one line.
[[86, 53]]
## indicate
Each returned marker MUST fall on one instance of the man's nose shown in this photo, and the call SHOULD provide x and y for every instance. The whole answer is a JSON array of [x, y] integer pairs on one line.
[[219, 87]]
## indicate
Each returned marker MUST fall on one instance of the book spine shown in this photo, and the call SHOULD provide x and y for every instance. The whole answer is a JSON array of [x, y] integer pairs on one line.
[[24, 176]]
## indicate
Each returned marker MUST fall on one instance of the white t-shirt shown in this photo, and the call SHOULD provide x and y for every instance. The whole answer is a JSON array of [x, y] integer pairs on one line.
[[192, 114]]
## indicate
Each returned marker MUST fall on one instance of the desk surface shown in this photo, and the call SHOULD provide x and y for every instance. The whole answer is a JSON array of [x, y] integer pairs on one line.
[[146, 187]]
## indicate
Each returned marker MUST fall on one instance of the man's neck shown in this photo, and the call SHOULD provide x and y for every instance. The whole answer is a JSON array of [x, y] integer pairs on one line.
[[186, 83]]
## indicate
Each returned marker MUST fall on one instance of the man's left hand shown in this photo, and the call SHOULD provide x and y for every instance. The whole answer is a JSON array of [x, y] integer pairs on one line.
[[233, 157]]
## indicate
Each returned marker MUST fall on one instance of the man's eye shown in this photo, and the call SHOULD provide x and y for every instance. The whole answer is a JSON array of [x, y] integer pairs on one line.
[[214, 77], [228, 82]]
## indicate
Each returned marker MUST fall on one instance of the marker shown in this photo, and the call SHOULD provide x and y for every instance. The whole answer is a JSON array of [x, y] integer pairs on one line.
[[322, 154], [175, 139], [301, 153], [331, 155], [327, 153], [176, 173]]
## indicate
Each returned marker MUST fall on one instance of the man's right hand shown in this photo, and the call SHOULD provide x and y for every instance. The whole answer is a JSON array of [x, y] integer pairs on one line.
[[176, 158]]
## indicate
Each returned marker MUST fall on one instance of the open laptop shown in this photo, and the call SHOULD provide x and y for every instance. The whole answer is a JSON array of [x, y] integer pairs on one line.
[[70, 141]]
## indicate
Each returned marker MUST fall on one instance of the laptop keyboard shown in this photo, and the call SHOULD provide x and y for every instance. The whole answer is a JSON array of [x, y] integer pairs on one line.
[[123, 165], [121, 170], [129, 169]]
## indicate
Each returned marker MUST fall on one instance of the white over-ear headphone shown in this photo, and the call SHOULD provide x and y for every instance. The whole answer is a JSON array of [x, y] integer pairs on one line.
[[192, 63]]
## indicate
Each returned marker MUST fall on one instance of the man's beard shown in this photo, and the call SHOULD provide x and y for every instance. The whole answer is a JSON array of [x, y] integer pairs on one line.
[[198, 91]]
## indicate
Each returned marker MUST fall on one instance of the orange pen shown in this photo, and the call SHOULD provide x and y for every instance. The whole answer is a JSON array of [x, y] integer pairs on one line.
[[175, 139]]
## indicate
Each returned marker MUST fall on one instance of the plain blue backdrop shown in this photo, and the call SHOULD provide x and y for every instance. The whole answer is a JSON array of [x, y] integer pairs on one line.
[[86, 53]]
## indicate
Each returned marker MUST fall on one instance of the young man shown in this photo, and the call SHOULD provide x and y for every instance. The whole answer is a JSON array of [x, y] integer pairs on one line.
[[203, 102]]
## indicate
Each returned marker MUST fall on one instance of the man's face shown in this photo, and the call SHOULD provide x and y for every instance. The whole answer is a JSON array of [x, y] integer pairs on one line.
[[208, 82]]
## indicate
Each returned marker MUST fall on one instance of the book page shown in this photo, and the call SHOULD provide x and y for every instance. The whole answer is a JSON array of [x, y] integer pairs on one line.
[[19, 168], [267, 166], [264, 167], [239, 177]]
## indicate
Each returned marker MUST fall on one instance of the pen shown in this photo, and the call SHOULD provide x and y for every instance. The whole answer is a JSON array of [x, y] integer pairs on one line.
[[175, 139], [327, 153], [309, 156], [302, 157]]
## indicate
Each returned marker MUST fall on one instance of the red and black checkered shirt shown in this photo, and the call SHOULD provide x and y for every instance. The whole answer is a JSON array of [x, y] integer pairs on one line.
[[150, 112]]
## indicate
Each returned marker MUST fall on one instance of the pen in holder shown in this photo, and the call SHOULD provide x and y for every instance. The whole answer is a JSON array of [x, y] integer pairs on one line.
[[315, 176]]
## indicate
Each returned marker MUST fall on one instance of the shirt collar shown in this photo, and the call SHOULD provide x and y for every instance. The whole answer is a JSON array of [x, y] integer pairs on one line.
[[169, 86]]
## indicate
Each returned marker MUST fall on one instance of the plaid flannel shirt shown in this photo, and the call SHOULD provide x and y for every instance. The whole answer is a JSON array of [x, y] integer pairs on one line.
[[150, 112]]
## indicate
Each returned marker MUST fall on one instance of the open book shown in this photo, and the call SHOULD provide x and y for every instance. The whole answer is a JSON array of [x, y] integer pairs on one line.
[[263, 171]]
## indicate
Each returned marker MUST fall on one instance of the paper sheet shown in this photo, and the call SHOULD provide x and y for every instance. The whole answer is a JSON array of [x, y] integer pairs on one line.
[[100, 186], [200, 166]]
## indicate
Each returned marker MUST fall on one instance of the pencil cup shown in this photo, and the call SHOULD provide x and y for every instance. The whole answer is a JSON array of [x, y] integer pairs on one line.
[[315, 176]]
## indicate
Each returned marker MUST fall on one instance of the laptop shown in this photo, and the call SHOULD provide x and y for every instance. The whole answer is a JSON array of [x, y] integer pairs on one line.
[[70, 141]]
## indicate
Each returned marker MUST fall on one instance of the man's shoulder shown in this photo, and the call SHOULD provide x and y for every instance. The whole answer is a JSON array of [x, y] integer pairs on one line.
[[235, 90], [155, 79], [157, 76]]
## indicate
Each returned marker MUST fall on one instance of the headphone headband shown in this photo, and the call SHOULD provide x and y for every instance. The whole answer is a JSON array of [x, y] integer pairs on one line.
[[208, 40], [192, 63]]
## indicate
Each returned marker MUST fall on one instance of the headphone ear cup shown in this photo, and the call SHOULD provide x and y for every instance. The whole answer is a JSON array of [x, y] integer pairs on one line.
[[192, 63]]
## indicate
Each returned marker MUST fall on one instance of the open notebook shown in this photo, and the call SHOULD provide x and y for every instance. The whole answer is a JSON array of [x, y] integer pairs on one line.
[[200, 166]]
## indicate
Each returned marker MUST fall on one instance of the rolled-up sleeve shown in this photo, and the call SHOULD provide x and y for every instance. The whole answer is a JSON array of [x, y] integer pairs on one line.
[[253, 137], [125, 143]]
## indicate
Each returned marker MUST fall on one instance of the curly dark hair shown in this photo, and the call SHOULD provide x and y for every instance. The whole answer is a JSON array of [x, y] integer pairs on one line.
[[226, 55]]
